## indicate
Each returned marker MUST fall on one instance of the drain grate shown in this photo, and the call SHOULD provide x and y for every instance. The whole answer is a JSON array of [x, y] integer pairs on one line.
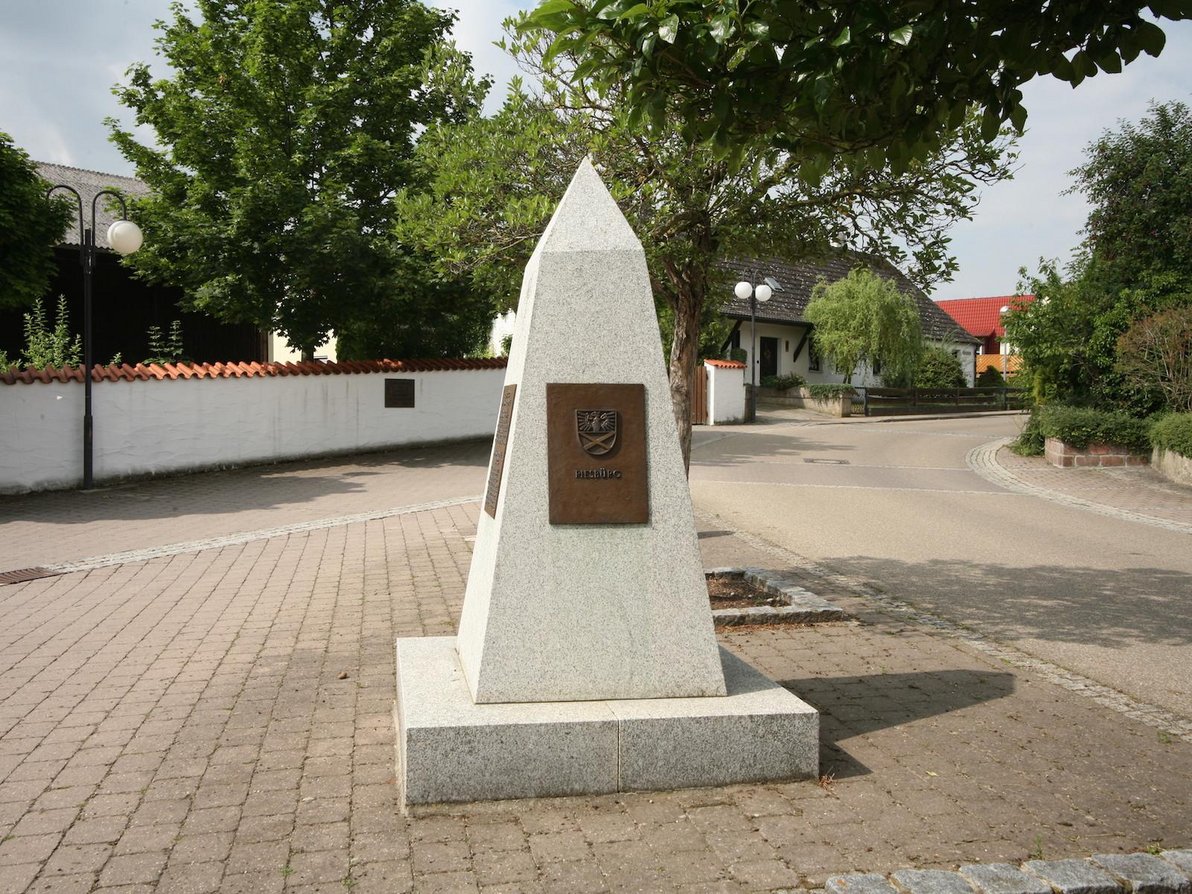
[[826, 462], [21, 575]]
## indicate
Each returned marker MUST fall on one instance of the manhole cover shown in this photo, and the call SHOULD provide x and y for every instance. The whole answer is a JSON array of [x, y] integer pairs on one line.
[[21, 575], [826, 462]]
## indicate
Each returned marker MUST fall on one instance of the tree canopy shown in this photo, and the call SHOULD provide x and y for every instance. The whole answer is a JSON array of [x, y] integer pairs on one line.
[[1135, 261], [866, 318], [286, 127], [888, 77], [494, 182], [30, 227]]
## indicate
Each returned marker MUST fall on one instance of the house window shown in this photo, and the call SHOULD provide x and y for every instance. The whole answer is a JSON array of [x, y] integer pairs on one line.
[[813, 357], [877, 366]]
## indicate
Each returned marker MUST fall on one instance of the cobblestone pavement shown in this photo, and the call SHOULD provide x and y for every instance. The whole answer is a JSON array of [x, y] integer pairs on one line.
[[220, 719], [1136, 493]]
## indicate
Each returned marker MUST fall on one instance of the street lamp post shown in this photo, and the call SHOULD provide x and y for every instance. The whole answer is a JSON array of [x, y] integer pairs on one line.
[[124, 237], [760, 292]]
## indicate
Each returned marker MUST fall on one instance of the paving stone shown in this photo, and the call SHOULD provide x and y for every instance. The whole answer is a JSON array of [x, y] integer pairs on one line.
[[859, 883], [1145, 874], [1002, 878], [1073, 876], [931, 881]]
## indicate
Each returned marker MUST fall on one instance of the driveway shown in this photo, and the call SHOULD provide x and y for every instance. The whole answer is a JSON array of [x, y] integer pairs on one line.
[[897, 505]]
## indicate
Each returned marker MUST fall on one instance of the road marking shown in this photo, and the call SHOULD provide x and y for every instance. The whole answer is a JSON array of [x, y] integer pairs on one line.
[[983, 461], [917, 490], [194, 546]]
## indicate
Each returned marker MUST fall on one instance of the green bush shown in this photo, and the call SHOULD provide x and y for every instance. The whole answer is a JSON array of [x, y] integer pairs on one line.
[[781, 383], [1173, 432], [937, 368], [1080, 426], [821, 391], [990, 377], [1030, 442]]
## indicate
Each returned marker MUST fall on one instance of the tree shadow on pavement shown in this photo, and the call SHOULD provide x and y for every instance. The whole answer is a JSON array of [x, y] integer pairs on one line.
[[1092, 606], [250, 487], [854, 706], [742, 447]]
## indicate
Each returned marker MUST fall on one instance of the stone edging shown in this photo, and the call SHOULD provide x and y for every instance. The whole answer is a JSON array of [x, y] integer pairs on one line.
[[804, 607], [983, 461], [1168, 872]]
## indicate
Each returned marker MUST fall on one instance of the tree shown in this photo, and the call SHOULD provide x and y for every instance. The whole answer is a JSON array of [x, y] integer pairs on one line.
[[892, 78], [495, 181], [30, 227], [286, 128], [1135, 260], [865, 318], [1155, 354]]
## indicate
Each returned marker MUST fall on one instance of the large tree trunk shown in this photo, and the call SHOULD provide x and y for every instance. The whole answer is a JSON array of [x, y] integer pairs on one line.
[[684, 354]]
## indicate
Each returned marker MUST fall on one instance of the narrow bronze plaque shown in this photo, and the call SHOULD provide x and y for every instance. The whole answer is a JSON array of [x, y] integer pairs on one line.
[[596, 454], [399, 393], [500, 442]]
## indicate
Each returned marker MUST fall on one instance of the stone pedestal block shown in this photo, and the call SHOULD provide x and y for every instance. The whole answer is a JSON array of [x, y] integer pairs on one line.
[[452, 749]]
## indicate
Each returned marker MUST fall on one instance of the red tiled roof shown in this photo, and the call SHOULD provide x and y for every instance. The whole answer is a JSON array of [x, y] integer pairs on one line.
[[982, 316], [141, 373], [726, 364]]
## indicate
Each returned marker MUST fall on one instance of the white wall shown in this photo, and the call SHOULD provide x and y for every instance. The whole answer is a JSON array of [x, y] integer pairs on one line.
[[148, 427], [726, 394]]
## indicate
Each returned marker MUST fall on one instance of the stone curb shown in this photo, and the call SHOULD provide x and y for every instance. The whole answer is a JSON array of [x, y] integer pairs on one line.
[[1169, 872], [805, 607]]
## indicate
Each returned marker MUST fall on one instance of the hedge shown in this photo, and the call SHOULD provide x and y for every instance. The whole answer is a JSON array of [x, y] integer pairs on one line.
[[1173, 432], [821, 391], [1080, 426]]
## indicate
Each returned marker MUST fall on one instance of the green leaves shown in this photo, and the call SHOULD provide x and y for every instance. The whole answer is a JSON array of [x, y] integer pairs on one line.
[[30, 226], [286, 129]]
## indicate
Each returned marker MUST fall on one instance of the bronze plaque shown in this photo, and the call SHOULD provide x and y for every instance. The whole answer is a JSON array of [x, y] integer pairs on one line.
[[500, 442], [399, 393], [596, 454]]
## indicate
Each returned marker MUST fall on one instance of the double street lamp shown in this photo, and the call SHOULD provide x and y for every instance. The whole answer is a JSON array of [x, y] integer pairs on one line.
[[760, 292], [124, 237]]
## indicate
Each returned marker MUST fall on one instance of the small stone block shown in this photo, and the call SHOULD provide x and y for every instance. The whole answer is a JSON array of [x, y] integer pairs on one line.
[[1180, 859], [1073, 876], [1145, 874], [859, 883], [931, 881], [1002, 878]]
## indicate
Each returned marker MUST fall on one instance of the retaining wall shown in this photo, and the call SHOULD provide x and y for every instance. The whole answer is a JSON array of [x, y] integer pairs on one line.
[[1094, 455]]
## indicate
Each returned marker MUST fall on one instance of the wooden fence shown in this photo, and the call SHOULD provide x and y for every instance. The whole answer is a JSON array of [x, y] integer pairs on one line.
[[906, 401]]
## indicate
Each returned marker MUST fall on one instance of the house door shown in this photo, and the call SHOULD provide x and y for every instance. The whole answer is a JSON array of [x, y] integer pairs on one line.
[[767, 355]]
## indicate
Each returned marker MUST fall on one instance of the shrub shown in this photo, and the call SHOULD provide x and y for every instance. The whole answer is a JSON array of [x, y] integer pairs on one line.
[[1080, 426], [990, 377], [1173, 432], [937, 368], [46, 347], [1155, 355], [1030, 441], [821, 391], [781, 383]]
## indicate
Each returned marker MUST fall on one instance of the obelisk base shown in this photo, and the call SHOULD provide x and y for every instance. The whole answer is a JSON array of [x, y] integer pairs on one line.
[[450, 749]]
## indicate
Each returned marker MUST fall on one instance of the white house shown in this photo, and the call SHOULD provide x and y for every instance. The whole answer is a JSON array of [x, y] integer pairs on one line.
[[783, 336]]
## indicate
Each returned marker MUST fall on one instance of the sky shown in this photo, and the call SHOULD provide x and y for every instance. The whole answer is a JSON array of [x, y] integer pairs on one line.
[[59, 60]]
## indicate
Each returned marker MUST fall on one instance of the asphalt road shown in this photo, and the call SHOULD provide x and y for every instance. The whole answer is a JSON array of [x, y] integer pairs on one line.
[[895, 504]]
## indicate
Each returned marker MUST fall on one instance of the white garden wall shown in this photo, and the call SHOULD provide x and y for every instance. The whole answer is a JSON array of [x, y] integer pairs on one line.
[[726, 391], [175, 424]]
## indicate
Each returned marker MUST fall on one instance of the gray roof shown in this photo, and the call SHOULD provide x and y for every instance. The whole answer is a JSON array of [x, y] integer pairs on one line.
[[798, 279], [88, 183]]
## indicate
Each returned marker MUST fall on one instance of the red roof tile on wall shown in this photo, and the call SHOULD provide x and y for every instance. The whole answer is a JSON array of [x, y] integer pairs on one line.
[[143, 373], [726, 364], [982, 316]]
